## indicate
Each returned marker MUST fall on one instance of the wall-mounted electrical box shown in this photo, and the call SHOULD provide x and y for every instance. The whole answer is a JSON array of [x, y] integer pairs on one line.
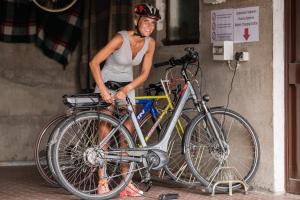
[[223, 50]]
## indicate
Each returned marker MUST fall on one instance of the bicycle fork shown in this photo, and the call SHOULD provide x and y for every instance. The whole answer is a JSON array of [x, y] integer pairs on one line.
[[211, 124]]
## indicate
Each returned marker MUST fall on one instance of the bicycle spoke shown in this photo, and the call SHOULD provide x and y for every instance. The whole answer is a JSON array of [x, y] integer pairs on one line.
[[239, 154]]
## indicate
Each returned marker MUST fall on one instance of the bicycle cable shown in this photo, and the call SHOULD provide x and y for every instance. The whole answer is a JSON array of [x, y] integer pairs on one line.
[[231, 84]]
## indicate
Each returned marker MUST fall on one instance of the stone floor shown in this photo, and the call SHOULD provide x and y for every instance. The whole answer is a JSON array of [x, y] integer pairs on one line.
[[24, 183]]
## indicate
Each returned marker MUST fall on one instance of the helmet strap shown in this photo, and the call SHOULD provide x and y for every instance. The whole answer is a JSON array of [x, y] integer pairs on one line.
[[137, 30]]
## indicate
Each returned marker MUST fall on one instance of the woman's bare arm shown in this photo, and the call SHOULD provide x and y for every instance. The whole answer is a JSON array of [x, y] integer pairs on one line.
[[94, 64]]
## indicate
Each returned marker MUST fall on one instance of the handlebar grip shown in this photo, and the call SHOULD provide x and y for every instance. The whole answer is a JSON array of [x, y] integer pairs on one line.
[[156, 65]]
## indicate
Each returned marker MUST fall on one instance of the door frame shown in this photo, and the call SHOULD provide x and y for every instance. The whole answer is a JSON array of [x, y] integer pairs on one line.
[[278, 98], [292, 185]]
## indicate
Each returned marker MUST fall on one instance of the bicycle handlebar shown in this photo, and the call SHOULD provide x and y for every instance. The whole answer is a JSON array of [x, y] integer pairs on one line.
[[173, 62], [190, 57], [156, 65]]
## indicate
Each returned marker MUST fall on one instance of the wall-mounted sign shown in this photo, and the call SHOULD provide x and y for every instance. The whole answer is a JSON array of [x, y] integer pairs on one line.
[[222, 25], [238, 25], [246, 24]]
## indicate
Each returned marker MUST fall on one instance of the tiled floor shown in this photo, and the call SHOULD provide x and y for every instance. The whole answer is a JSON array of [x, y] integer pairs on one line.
[[24, 183]]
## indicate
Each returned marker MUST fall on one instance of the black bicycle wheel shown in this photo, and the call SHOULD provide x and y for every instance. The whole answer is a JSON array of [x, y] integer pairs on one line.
[[77, 156], [54, 5], [208, 162], [41, 147]]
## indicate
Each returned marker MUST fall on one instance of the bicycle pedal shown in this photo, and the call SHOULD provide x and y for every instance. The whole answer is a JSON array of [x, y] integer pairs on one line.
[[148, 187], [168, 196], [147, 177]]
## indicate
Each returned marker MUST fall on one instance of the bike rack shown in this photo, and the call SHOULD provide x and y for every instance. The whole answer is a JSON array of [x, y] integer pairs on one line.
[[236, 178]]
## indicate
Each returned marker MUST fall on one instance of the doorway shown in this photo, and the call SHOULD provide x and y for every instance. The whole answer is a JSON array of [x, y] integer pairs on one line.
[[292, 85]]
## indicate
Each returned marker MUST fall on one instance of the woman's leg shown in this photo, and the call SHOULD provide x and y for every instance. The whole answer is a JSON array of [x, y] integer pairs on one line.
[[104, 129], [130, 190]]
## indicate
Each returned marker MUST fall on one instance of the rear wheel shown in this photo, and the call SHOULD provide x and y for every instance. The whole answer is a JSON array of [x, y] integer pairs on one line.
[[208, 162], [41, 148], [77, 156]]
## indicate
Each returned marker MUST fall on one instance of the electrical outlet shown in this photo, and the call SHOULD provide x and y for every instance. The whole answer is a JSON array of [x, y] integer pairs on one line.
[[244, 56], [241, 56]]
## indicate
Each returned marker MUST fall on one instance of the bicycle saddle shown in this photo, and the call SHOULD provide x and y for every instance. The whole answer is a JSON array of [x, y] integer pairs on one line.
[[157, 87], [114, 85]]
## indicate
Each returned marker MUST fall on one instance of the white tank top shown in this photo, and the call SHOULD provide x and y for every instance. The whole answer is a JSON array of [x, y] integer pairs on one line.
[[118, 66]]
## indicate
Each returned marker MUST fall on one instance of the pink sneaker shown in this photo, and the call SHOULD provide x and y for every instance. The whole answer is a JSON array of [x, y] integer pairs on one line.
[[131, 191]]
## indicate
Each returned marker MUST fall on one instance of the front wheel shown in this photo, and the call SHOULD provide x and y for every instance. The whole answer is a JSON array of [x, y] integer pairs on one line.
[[208, 162]]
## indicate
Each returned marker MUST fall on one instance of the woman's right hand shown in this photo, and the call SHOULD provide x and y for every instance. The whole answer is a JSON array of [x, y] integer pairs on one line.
[[106, 96]]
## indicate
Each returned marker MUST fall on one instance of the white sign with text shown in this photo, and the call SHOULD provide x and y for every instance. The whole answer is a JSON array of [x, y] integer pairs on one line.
[[238, 25], [246, 24], [222, 25]]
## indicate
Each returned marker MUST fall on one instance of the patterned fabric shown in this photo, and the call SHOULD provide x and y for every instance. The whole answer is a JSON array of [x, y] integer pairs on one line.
[[102, 20], [17, 21], [120, 16], [59, 33], [56, 34]]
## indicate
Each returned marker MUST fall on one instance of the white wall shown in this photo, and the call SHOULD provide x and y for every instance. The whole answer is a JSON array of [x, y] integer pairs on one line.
[[278, 96]]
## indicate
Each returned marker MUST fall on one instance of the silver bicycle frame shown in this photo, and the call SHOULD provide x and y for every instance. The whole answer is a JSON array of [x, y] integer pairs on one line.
[[163, 144]]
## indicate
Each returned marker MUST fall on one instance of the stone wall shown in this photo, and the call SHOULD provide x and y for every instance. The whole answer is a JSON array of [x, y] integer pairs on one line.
[[31, 88]]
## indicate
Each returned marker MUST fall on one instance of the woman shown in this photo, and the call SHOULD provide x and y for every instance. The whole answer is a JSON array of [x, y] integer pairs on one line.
[[125, 50]]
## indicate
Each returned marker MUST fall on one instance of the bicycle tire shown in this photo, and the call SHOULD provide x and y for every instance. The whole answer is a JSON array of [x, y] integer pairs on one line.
[[52, 139], [54, 6], [177, 167], [51, 142], [242, 149], [40, 150], [79, 157]]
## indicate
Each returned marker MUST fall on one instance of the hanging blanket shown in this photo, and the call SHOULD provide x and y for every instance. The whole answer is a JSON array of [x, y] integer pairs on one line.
[[57, 34]]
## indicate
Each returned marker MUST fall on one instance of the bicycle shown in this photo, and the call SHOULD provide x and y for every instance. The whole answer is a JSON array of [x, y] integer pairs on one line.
[[149, 112], [54, 6], [77, 169], [212, 144]]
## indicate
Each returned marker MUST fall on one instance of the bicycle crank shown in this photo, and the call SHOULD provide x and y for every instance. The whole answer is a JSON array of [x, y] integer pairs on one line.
[[156, 159]]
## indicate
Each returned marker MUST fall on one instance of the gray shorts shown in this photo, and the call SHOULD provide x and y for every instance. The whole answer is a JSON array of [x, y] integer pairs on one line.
[[131, 95]]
